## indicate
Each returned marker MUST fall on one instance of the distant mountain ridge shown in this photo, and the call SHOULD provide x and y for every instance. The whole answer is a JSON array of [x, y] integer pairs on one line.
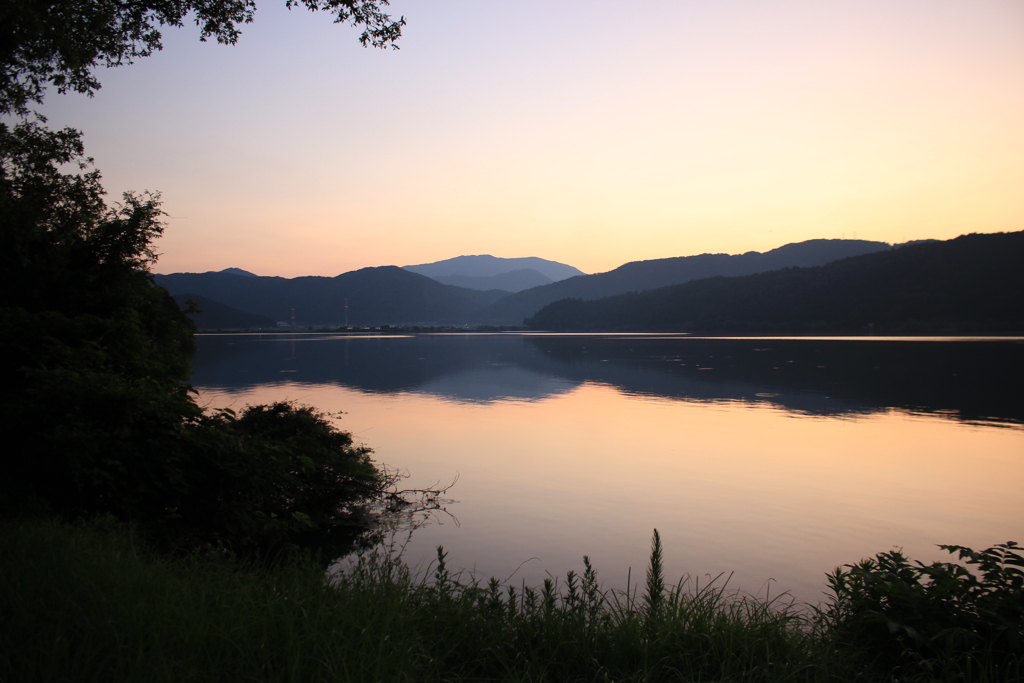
[[973, 284], [643, 275], [512, 281], [376, 296], [492, 272], [390, 295]]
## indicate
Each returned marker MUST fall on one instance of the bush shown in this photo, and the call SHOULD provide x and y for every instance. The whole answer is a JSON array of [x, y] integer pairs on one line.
[[274, 476], [958, 618]]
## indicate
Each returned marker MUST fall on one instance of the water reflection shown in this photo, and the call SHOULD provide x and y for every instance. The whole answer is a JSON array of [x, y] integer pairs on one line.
[[566, 446], [477, 368], [976, 380], [969, 380]]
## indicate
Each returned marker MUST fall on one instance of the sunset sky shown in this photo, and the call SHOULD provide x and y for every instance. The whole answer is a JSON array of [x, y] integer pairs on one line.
[[589, 132]]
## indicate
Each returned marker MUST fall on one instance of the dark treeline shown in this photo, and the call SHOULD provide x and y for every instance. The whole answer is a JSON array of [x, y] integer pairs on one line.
[[969, 285]]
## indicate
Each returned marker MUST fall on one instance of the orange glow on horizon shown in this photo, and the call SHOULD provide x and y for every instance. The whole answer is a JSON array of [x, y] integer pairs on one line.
[[732, 126]]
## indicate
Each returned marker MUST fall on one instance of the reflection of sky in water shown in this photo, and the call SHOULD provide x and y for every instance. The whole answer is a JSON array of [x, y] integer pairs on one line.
[[553, 467]]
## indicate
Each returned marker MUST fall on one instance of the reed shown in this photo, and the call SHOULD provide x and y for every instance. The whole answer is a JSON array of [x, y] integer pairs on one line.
[[88, 603]]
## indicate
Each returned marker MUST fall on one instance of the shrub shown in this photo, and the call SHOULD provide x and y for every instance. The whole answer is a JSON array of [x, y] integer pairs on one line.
[[958, 618]]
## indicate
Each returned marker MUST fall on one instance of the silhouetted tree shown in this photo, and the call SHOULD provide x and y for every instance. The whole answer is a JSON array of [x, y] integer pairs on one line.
[[94, 401]]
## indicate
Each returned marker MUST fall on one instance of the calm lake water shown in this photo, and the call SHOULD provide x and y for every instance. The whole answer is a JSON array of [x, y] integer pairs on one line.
[[772, 459]]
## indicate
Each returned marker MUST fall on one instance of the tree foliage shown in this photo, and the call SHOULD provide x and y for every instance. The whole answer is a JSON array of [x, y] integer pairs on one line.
[[62, 42], [94, 393], [94, 382]]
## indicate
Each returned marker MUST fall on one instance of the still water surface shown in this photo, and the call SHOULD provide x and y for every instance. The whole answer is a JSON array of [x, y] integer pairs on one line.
[[773, 459]]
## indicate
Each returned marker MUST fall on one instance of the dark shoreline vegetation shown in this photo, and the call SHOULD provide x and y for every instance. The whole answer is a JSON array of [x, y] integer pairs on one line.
[[93, 602]]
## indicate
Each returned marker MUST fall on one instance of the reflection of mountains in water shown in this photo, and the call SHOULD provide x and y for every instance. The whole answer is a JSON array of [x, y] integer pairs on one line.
[[469, 368], [969, 380], [497, 383]]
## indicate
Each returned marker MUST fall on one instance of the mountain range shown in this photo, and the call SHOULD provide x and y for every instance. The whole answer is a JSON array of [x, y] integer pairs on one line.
[[485, 272], [390, 295], [642, 275], [973, 284], [387, 295], [212, 314]]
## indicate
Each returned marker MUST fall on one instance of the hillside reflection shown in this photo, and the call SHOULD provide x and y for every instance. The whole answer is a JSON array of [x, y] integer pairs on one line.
[[976, 381]]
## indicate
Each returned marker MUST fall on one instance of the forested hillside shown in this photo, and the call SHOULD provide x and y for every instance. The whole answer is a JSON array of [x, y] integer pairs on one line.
[[376, 296], [208, 314], [642, 275], [972, 284]]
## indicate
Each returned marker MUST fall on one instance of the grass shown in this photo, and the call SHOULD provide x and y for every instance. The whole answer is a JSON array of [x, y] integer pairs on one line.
[[87, 603]]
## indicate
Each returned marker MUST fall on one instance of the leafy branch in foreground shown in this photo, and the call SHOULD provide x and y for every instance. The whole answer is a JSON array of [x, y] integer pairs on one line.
[[63, 42]]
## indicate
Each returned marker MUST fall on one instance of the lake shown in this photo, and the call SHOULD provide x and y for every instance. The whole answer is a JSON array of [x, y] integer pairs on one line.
[[772, 460]]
